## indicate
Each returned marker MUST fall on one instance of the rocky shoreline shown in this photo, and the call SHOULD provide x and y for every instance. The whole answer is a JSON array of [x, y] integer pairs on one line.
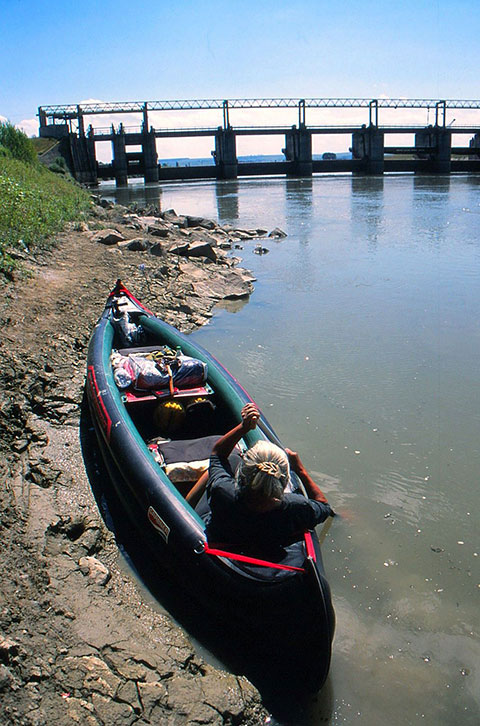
[[77, 642]]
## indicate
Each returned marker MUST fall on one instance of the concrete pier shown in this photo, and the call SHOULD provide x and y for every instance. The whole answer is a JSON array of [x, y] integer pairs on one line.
[[436, 145], [225, 154], [119, 162], [298, 150], [368, 145], [150, 157]]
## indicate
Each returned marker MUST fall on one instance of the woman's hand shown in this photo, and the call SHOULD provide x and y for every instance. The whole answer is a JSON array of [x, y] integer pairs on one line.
[[250, 416], [294, 460]]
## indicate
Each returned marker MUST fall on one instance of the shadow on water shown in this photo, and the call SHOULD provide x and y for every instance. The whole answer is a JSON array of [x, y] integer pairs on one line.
[[219, 642]]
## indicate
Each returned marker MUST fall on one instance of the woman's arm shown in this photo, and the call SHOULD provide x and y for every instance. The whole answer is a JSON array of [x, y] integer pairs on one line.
[[195, 493], [224, 446], [312, 489]]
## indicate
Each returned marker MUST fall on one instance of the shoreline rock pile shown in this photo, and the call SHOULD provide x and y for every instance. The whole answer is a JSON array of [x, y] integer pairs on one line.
[[181, 248]]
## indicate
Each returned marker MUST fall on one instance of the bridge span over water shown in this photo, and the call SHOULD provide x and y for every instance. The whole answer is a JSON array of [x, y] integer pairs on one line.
[[432, 151]]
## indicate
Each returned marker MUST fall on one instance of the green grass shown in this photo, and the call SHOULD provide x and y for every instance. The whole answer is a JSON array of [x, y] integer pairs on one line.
[[34, 204], [42, 145]]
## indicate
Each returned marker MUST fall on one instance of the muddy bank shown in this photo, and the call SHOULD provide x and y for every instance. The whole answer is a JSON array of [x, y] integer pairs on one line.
[[77, 644]]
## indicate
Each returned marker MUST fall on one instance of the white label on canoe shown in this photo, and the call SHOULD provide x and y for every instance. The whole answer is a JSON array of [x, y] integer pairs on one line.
[[157, 522]]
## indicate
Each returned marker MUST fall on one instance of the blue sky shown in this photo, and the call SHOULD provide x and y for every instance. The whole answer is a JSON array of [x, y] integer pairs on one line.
[[55, 52]]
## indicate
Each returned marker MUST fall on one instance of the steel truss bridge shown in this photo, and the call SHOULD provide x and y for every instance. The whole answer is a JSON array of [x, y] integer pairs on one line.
[[70, 112], [432, 151]]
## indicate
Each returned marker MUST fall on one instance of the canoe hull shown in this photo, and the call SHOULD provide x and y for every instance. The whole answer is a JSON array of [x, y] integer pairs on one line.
[[299, 603]]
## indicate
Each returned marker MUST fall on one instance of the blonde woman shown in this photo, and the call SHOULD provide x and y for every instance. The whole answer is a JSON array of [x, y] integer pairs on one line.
[[252, 506]]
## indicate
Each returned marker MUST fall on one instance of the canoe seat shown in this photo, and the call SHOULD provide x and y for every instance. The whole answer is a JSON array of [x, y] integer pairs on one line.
[[185, 460], [130, 396]]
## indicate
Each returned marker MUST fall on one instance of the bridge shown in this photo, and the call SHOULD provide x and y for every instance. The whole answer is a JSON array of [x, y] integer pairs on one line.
[[432, 151]]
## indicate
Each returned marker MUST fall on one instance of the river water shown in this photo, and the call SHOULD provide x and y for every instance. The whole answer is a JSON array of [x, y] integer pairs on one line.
[[361, 343]]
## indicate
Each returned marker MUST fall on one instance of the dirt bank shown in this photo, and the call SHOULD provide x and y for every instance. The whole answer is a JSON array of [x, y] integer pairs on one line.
[[77, 644]]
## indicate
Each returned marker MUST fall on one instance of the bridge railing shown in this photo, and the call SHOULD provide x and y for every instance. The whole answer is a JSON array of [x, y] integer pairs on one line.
[[390, 128]]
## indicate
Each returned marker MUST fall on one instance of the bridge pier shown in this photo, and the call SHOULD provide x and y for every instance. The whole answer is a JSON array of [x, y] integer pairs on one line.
[[369, 146], [436, 143], [298, 149], [225, 154], [119, 161], [150, 157]]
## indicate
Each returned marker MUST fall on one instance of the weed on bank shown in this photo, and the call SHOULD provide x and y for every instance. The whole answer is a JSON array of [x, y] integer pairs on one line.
[[35, 203]]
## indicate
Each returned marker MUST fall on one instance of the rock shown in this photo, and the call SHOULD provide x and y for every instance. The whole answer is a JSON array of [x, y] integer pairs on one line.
[[277, 233], [259, 250], [127, 693], [179, 249], [202, 249], [157, 249], [107, 237], [157, 231], [168, 214], [96, 571], [241, 234], [80, 711], [20, 445], [7, 678], [151, 695], [161, 272], [171, 216], [98, 212], [8, 649], [234, 285], [144, 222], [98, 676], [106, 203], [112, 712], [138, 244], [200, 222]]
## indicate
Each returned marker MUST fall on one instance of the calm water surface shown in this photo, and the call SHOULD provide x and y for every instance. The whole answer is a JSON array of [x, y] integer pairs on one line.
[[361, 343]]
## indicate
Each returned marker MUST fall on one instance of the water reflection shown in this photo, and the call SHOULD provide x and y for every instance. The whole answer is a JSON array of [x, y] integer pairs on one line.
[[226, 195], [135, 192], [367, 208], [299, 207], [431, 192]]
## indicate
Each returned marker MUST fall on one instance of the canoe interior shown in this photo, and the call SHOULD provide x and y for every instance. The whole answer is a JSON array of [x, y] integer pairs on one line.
[[126, 423]]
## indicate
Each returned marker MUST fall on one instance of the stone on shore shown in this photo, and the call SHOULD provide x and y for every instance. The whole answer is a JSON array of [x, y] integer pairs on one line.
[[138, 244], [96, 571], [202, 249], [158, 250], [277, 233], [171, 216], [200, 222], [107, 237]]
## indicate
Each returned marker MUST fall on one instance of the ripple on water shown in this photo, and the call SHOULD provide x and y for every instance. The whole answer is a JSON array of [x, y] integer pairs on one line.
[[410, 497]]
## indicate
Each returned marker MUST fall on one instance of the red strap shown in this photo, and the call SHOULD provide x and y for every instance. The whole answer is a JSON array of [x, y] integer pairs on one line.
[[251, 560], [309, 546]]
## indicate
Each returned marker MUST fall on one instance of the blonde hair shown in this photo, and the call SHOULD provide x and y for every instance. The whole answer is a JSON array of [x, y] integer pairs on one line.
[[264, 470]]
